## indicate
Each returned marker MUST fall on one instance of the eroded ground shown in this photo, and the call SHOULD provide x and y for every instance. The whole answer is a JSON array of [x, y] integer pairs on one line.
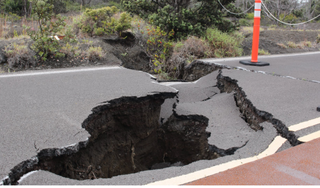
[[210, 119]]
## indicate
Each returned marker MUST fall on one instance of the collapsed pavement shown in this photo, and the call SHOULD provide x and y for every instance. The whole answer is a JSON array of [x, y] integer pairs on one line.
[[132, 134]]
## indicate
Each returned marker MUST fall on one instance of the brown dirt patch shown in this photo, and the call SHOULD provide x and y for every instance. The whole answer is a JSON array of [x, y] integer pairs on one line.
[[269, 40]]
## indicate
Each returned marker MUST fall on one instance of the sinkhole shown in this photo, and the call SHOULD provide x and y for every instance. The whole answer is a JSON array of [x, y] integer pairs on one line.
[[132, 134]]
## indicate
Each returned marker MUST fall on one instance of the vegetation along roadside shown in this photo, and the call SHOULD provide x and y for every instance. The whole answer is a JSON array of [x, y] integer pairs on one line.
[[159, 37]]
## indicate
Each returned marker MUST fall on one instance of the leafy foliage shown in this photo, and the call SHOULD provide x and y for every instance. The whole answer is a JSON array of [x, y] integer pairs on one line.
[[102, 21], [184, 17], [291, 18], [250, 16], [95, 53], [13, 6], [19, 56], [263, 52], [223, 44], [159, 48], [44, 45], [59, 6], [70, 50], [244, 22]]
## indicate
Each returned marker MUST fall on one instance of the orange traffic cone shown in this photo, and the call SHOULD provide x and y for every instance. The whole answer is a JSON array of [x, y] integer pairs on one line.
[[255, 41]]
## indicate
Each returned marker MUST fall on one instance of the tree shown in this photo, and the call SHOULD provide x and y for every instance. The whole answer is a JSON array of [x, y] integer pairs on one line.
[[285, 10], [184, 17], [312, 8]]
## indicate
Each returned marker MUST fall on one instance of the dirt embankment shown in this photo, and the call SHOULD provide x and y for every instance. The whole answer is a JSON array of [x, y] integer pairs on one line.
[[276, 41], [130, 54]]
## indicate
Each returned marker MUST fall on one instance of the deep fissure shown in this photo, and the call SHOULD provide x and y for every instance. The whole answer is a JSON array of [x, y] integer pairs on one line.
[[128, 135], [253, 116]]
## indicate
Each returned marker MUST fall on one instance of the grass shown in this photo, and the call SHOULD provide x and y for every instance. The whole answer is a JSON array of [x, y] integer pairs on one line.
[[246, 30], [95, 53], [303, 44], [292, 44], [307, 44], [282, 45], [263, 52]]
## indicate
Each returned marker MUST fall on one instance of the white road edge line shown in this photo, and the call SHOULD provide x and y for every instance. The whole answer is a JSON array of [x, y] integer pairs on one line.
[[249, 57], [272, 149], [57, 72], [310, 137], [305, 124]]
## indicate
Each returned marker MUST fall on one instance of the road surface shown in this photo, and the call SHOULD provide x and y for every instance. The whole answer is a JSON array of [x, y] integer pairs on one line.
[[45, 109]]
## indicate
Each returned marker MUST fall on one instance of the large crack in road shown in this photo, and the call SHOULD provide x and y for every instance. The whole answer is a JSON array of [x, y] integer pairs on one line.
[[132, 134]]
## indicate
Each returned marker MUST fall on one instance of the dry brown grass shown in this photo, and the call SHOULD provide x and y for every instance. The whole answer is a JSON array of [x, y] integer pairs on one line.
[[1, 28], [191, 49], [282, 45], [19, 55], [307, 44]]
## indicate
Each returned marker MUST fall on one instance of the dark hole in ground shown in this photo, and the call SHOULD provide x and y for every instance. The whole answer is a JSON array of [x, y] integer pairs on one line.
[[127, 137]]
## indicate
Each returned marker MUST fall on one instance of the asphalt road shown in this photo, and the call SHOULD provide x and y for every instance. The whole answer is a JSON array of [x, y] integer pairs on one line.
[[45, 109]]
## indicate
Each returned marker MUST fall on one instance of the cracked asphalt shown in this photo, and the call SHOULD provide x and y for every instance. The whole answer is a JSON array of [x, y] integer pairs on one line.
[[45, 110]]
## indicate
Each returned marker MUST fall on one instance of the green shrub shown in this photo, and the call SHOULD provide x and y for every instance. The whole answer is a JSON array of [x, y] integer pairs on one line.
[[224, 44], [177, 46], [19, 56], [15, 33], [112, 3], [292, 44], [186, 52], [306, 44], [95, 53], [244, 22], [98, 31], [12, 6], [13, 17], [318, 39], [250, 16], [159, 48], [183, 17], [44, 45], [123, 23], [59, 6], [288, 18], [72, 6], [102, 21], [273, 26], [96, 18], [263, 52], [70, 50]]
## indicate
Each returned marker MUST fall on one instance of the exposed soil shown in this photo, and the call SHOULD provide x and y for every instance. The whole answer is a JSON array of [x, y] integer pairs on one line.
[[126, 136], [270, 40], [130, 54]]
